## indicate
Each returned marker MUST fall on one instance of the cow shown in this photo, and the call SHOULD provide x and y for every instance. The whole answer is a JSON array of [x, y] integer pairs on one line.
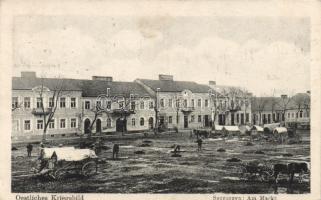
[[290, 169]]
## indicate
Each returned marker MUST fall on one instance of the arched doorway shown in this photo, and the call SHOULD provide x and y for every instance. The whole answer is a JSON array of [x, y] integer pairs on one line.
[[151, 123], [98, 126], [121, 125], [87, 126]]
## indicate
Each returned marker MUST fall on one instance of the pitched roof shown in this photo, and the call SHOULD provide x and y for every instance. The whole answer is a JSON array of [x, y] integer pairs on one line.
[[89, 88], [27, 83], [257, 103], [175, 86]]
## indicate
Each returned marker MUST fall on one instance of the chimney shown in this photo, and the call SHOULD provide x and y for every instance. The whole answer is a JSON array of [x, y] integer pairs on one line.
[[163, 77], [103, 78], [212, 83], [28, 74], [309, 92], [284, 96]]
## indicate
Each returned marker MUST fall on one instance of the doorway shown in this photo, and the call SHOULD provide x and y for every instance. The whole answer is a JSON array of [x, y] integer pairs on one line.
[[185, 121], [206, 121], [87, 126], [121, 125]]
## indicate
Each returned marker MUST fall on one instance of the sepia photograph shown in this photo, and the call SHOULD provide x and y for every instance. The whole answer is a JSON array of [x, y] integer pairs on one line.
[[160, 104]]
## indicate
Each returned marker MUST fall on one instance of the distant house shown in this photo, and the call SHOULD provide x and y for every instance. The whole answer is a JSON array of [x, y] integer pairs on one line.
[[285, 110]]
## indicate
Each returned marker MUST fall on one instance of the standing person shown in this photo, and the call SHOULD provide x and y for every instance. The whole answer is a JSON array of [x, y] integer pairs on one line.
[[199, 144], [115, 150], [29, 149]]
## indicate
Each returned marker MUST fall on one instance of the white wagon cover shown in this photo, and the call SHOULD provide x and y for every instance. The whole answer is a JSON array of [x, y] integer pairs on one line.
[[218, 127], [258, 128], [69, 153], [280, 130], [232, 128]]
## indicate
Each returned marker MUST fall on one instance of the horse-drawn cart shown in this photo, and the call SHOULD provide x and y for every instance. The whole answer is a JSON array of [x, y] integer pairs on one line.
[[58, 162]]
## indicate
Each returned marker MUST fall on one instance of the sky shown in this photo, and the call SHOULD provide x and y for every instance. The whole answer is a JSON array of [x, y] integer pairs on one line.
[[265, 55]]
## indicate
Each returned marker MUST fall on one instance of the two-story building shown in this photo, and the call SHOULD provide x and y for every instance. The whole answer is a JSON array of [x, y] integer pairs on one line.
[[181, 104], [77, 106], [33, 97]]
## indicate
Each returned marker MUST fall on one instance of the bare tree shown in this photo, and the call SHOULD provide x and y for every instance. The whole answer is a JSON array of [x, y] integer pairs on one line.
[[259, 103], [55, 93], [284, 104]]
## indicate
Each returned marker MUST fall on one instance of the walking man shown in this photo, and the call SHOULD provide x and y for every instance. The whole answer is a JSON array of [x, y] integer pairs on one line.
[[115, 151], [29, 149], [199, 144]]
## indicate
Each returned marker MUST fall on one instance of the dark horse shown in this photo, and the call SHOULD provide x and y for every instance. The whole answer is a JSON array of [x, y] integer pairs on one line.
[[290, 169]]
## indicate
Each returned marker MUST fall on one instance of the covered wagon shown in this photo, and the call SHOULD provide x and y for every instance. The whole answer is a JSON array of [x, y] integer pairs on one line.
[[58, 162]]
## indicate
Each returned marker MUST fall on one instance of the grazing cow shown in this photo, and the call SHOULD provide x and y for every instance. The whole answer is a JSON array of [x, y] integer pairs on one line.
[[290, 169]]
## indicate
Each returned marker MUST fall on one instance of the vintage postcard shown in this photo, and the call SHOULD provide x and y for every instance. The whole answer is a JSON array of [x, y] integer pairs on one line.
[[187, 99]]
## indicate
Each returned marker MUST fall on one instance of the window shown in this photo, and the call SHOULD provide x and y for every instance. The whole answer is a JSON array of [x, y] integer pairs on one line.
[[14, 102], [185, 103], [62, 123], [108, 123], [142, 121], [108, 104], [170, 119], [142, 105], [301, 113], [62, 102], [133, 122], [247, 117], [170, 103], [273, 116], [269, 118], [199, 118], [242, 118], [237, 118], [192, 118], [162, 103], [199, 102], [87, 105], [73, 102], [39, 124], [51, 102], [26, 101], [27, 125], [39, 102], [52, 124], [133, 105], [151, 105], [192, 103], [289, 115], [296, 115], [73, 123], [206, 103]]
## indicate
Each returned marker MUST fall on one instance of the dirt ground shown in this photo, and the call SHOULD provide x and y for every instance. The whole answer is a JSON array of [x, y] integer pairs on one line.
[[156, 171]]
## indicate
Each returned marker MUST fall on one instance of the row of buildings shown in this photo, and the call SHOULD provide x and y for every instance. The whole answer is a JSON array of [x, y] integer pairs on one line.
[[64, 107]]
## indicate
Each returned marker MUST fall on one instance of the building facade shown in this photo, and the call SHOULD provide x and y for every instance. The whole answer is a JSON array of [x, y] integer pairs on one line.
[[284, 109], [181, 104], [61, 107], [78, 107]]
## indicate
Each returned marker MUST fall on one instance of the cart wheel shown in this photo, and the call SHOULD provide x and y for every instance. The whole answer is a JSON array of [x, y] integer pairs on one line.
[[90, 168], [264, 176], [59, 174]]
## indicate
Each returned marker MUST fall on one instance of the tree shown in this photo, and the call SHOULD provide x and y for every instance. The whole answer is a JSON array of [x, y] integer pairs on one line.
[[233, 95], [47, 113], [259, 104], [215, 106], [301, 101], [284, 103]]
